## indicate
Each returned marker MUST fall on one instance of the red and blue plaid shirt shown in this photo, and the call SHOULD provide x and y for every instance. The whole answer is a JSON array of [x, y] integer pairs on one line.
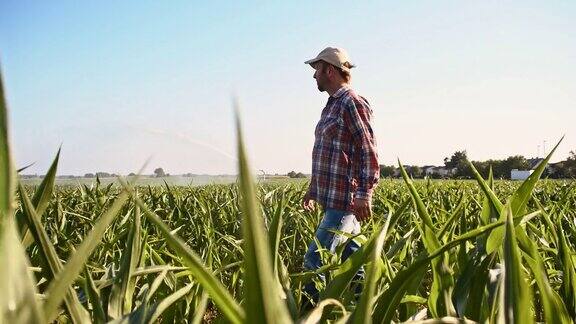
[[344, 159]]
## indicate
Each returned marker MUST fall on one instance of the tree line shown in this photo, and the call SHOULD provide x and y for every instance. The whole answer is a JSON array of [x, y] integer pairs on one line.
[[457, 167]]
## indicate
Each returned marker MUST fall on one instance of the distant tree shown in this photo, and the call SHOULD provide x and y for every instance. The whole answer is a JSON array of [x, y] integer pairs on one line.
[[459, 163], [103, 174], [293, 174], [458, 158], [132, 174], [89, 175], [517, 162], [415, 171], [503, 168], [556, 170], [570, 165], [499, 169], [387, 171], [482, 167], [159, 172]]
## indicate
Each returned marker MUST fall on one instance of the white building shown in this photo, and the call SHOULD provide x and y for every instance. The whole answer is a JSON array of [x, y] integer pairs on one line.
[[516, 174], [445, 172], [428, 169]]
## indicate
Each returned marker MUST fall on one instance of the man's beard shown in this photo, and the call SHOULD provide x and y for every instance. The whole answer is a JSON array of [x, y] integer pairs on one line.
[[320, 88]]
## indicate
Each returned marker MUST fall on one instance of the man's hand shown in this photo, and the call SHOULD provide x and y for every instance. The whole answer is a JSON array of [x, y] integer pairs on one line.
[[362, 209], [308, 202]]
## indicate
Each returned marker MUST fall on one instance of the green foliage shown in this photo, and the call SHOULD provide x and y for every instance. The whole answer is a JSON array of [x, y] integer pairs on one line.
[[387, 171], [159, 172], [296, 175], [207, 222]]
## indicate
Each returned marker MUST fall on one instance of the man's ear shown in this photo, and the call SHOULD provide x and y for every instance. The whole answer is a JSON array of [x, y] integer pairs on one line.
[[329, 70]]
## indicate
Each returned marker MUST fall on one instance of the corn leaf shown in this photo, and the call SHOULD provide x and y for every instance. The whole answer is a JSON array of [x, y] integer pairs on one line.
[[59, 286], [388, 301], [51, 260], [225, 302], [519, 201], [123, 288], [261, 293], [439, 299], [94, 298], [18, 298], [516, 294], [363, 311]]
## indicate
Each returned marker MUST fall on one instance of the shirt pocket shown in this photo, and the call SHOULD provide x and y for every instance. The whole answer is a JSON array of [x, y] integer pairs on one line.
[[327, 127]]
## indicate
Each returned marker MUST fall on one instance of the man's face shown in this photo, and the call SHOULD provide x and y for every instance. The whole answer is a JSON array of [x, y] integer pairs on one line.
[[321, 76]]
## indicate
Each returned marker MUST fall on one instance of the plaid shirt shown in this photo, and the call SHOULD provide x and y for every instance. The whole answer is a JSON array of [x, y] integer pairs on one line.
[[344, 159]]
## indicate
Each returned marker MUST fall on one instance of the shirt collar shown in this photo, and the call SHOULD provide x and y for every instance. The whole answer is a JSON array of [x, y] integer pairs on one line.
[[341, 91]]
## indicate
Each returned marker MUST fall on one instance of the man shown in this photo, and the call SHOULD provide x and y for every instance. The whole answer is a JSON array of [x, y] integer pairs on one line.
[[345, 166]]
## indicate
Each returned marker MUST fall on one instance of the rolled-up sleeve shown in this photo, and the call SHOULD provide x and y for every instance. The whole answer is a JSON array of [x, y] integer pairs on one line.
[[312, 193], [358, 120]]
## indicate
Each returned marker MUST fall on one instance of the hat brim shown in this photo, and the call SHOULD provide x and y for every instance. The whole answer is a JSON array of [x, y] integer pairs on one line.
[[316, 60], [312, 61]]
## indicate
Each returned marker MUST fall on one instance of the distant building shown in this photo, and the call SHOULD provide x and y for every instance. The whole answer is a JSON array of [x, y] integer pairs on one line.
[[398, 173], [444, 172], [428, 169], [516, 174], [441, 171], [533, 163]]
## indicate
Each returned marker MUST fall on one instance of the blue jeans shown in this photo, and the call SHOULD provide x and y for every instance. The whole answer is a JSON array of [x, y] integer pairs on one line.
[[333, 219]]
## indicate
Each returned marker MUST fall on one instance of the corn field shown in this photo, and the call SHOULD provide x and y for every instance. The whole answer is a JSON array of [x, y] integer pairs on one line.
[[434, 252]]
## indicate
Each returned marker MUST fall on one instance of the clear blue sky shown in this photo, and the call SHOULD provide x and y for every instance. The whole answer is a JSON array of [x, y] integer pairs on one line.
[[119, 81]]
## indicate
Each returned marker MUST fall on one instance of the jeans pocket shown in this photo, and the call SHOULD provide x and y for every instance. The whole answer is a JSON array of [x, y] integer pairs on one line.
[[333, 220], [346, 225]]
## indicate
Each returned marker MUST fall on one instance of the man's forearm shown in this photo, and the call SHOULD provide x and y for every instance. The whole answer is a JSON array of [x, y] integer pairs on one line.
[[369, 172]]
